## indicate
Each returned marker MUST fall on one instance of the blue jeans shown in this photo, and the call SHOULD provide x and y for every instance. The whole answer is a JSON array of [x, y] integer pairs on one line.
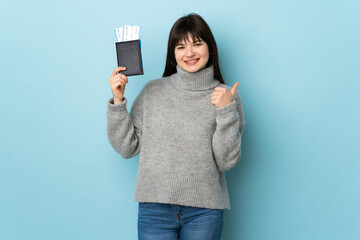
[[160, 221]]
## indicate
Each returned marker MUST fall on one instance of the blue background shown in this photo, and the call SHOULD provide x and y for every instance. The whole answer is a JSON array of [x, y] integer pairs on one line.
[[297, 63]]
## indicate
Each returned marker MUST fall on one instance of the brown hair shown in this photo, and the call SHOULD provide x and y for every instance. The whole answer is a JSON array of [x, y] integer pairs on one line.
[[196, 26]]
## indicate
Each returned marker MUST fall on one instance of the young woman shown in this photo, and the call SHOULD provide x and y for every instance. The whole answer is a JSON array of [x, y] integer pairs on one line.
[[187, 127]]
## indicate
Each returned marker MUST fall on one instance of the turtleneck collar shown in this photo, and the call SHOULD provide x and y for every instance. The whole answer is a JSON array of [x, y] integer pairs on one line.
[[201, 80]]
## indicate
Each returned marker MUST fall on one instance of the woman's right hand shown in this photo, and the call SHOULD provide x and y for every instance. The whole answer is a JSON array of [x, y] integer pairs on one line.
[[117, 83]]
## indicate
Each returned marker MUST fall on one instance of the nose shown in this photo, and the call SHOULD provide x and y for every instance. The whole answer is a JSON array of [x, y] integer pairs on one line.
[[189, 52]]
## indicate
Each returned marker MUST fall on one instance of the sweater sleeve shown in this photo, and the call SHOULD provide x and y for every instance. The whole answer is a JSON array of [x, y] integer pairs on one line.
[[123, 128], [226, 140]]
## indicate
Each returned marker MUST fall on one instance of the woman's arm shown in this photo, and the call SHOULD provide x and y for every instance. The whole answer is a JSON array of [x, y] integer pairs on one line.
[[226, 140], [123, 128]]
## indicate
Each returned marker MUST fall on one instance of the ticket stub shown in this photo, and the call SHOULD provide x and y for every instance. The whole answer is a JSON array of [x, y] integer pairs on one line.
[[127, 33], [119, 34], [131, 33]]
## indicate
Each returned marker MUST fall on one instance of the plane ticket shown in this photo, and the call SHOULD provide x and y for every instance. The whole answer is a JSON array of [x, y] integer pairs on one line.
[[127, 33]]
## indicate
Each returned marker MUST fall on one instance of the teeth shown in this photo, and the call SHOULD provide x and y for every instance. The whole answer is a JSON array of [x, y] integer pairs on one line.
[[191, 61]]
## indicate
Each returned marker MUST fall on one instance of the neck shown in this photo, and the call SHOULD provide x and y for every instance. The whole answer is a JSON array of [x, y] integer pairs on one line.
[[200, 80]]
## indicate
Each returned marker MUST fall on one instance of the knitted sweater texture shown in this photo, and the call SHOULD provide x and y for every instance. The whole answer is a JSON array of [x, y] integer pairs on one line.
[[185, 143]]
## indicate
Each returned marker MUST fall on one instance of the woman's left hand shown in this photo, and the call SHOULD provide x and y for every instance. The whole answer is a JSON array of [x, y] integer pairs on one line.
[[222, 97]]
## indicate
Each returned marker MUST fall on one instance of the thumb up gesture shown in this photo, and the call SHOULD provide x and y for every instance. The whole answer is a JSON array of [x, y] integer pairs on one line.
[[222, 97]]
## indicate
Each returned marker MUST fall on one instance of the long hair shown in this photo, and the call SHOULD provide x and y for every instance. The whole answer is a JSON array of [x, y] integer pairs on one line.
[[196, 26]]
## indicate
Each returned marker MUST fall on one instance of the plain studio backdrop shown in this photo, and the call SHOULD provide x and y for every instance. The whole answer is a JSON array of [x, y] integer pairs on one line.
[[297, 63]]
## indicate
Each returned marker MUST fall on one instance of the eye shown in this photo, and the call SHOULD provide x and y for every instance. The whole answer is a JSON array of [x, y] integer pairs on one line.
[[179, 48], [198, 43]]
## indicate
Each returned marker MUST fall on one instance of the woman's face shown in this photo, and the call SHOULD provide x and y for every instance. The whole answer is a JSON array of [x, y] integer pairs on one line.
[[192, 55]]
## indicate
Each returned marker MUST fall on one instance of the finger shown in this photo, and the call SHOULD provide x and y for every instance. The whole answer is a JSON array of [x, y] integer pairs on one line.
[[118, 83], [218, 93], [121, 84], [122, 76], [116, 70], [220, 89], [117, 77], [114, 78], [233, 89]]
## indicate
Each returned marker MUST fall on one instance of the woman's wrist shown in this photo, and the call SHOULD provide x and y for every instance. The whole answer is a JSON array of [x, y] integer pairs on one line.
[[117, 101]]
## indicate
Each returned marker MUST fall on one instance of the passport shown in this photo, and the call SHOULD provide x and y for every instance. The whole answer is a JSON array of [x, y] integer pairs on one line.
[[129, 56]]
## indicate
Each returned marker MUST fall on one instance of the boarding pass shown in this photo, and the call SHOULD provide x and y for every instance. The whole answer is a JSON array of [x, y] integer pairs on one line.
[[127, 33]]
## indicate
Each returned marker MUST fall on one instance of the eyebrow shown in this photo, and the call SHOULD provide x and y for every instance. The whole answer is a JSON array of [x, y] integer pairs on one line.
[[193, 42]]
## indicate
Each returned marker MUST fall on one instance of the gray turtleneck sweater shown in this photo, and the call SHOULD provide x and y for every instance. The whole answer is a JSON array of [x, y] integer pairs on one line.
[[186, 143]]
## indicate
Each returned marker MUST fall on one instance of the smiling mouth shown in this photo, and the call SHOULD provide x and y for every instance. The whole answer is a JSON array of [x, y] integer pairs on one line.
[[192, 61]]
